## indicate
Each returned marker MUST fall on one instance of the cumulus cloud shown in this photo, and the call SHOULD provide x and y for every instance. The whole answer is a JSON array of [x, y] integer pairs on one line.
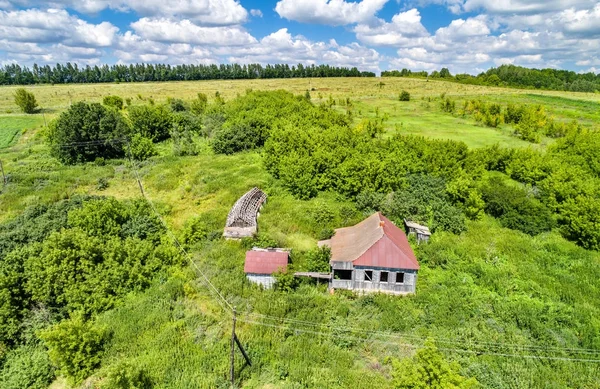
[[54, 26], [256, 12], [404, 28], [332, 12], [283, 47], [209, 12], [184, 31]]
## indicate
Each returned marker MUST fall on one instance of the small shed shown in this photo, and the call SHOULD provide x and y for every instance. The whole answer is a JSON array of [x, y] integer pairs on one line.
[[262, 263], [242, 220], [422, 232]]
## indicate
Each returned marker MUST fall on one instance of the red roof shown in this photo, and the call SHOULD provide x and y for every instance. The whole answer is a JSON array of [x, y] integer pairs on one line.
[[265, 262], [374, 242]]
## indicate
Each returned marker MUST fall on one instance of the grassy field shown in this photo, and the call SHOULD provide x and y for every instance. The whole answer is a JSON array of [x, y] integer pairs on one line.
[[11, 127], [489, 284], [367, 95]]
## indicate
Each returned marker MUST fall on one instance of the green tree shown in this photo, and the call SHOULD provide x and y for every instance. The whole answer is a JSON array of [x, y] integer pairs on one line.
[[88, 131], [318, 259], [429, 370], [151, 121], [25, 100]]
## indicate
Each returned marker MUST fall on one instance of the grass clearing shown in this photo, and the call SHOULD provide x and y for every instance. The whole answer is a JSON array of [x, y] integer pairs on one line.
[[11, 126]]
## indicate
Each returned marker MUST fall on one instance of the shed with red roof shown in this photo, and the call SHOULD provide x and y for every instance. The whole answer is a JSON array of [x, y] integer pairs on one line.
[[261, 264], [373, 255]]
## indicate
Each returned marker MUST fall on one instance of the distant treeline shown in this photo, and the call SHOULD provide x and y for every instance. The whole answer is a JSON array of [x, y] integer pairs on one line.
[[14, 74], [515, 76]]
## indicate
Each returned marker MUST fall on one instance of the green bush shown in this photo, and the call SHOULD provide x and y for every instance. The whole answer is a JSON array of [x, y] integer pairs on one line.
[[317, 260], [113, 101], [404, 96], [88, 131], [127, 375], [25, 100], [75, 347], [27, 366], [151, 121]]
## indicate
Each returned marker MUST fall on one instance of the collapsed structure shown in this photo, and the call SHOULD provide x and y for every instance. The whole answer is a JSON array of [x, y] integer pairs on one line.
[[421, 232], [372, 256], [242, 218]]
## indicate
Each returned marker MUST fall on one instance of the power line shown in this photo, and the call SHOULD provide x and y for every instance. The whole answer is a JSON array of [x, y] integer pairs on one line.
[[409, 345], [421, 338], [221, 299]]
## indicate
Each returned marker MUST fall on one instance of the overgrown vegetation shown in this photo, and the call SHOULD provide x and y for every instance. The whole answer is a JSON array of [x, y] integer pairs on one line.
[[92, 289]]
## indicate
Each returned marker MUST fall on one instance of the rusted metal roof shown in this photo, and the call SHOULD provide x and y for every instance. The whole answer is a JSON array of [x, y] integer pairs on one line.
[[417, 227], [375, 242], [265, 261]]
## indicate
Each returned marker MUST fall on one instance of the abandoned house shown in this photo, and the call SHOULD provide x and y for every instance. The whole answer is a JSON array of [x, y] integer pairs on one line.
[[242, 218], [421, 232], [372, 256], [262, 263]]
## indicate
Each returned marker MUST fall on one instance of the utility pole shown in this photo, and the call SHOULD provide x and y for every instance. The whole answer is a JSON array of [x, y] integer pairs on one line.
[[232, 357], [3, 175]]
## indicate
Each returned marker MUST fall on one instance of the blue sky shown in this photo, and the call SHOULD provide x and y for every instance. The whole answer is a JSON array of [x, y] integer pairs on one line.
[[463, 35]]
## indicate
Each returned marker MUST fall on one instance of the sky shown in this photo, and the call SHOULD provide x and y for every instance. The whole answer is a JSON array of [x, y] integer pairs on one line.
[[466, 36]]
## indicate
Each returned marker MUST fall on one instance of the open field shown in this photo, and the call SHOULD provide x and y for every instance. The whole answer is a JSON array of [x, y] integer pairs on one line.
[[496, 300], [415, 117]]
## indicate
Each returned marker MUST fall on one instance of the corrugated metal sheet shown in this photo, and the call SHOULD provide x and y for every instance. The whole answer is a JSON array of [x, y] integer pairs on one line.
[[375, 242], [265, 262]]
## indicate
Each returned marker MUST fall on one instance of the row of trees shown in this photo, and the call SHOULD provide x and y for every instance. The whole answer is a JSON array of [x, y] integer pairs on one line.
[[515, 76], [14, 74]]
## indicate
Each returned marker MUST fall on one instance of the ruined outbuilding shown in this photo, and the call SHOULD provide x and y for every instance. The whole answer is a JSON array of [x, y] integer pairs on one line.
[[372, 256], [261, 264], [242, 220], [421, 232]]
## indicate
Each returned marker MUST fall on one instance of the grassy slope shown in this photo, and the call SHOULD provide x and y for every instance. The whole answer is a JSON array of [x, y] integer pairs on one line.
[[489, 285], [12, 125]]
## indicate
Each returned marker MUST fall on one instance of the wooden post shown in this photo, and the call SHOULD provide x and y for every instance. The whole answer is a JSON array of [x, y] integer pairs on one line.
[[3, 175], [232, 356], [246, 357]]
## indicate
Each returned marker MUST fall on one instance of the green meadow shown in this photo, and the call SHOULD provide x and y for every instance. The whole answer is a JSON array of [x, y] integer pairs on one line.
[[509, 309]]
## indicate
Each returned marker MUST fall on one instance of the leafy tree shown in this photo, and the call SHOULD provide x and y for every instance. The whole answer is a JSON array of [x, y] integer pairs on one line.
[[75, 346], [113, 101], [429, 370], [141, 148], [151, 121], [317, 260], [25, 100], [445, 73], [88, 131]]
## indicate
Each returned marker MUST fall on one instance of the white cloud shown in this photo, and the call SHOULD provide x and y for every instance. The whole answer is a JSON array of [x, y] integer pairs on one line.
[[584, 22], [53, 26], [282, 47], [403, 29], [207, 12], [332, 12], [256, 13], [184, 31]]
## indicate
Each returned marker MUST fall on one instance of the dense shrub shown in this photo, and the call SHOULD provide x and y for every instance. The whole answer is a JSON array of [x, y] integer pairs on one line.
[[151, 121], [88, 131], [75, 346], [25, 100], [27, 366], [404, 96], [113, 101], [516, 209]]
